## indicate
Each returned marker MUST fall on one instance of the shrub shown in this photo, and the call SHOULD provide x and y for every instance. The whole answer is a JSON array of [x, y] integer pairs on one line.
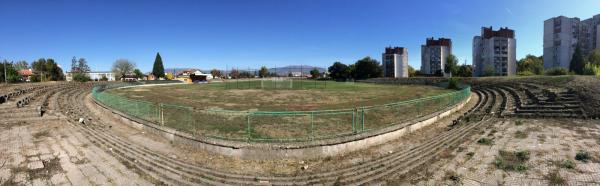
[[521, 134], [453, 176], [512, 161], [80, 77], [583, 156], [453, 83], [485, 141], [568, 164], [554, 178], [525, 73], [591, 69], [557, 71], [518, 122]]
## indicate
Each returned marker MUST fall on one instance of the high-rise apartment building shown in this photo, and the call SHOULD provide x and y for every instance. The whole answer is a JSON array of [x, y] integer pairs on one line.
[[434, 54], [494, 53], [395, 62], [563, 34]]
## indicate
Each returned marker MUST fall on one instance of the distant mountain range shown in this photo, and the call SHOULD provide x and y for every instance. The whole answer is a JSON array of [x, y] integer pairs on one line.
[[305, 69], [282, 71]]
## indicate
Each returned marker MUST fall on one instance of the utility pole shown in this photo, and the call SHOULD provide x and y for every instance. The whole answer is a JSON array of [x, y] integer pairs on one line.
[[5, 79]]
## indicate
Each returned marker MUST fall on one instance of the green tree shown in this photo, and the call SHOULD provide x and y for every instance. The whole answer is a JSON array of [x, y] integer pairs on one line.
[[465, 71], [138, 73], [20, 65], [48, 70], [451, 65], [366, 68], [411, 71], [530, 65], [263, 72], [339, 71], [577, 62], [594, 57], [11, 72], [158, 70], [315, 73]]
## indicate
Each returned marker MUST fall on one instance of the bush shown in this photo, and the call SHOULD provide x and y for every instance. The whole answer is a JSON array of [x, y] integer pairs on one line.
[[81, 77], [453, 83], [512, 161], [554, 178], [521, 134], [591, 69], [485, 141], [568, 164], [452, 176], [583, 156], [557, 71], [525, 73], [104, 78]]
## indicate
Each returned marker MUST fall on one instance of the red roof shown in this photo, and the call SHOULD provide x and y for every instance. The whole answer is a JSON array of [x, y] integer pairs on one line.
[[26, 72]]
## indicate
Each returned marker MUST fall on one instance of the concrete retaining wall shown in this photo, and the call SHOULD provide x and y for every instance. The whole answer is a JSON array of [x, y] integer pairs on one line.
[[310, 149]]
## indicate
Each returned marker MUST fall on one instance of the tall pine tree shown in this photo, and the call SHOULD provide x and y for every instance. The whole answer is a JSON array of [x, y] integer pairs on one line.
[[158, 70], [577, 62]]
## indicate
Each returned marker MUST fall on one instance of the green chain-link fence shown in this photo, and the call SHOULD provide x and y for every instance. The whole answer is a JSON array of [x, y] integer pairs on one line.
[[280, 126]]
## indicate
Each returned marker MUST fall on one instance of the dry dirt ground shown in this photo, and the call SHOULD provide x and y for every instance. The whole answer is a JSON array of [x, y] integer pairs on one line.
[[552, 145], [51, 152]]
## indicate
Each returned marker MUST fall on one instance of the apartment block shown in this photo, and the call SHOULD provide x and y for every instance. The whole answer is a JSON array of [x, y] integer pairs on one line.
[[434, 54], [494, 53], [563, 34], [395, 62]]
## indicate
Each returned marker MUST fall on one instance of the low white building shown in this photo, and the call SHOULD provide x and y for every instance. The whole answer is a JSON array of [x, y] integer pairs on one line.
[[94, 76], [209, 76]]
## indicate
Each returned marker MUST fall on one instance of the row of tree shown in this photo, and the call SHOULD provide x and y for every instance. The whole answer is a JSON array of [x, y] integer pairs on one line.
[[43, 70], [370, 68]]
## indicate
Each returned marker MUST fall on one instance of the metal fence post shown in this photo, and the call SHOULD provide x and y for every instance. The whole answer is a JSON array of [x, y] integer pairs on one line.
[[248, 126], [162, 115], [354, 120], [363, 119], [312, 125]]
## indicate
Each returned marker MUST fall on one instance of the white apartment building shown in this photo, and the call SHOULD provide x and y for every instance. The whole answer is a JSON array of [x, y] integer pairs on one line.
[[94, 76], [494, 53], [434, 54], [563, 34], [395, 62]]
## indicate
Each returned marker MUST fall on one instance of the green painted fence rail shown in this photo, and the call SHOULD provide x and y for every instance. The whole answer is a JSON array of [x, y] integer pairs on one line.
[[275, 126]]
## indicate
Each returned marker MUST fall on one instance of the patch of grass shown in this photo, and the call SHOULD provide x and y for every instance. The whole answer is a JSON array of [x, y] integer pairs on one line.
[[518, 122], [521, 134], [41, 134], [485, 141], [583, 156], [453, 176], [512, 161], [541, 138], [492, 132], [554, 178]]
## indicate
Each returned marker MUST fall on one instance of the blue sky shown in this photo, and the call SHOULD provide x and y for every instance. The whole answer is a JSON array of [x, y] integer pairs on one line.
[[251, 33]]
